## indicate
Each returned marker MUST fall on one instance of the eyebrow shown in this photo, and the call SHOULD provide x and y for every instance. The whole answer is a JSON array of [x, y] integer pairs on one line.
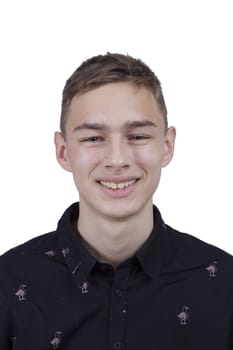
[[139, 124], [91, 126], [127, 125]]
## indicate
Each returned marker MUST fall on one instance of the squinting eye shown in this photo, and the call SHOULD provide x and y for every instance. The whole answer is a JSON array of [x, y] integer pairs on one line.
[[93, 139], [138, 137]]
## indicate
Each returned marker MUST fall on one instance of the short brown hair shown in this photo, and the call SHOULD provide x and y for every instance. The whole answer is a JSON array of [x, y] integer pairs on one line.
[[109, 68]]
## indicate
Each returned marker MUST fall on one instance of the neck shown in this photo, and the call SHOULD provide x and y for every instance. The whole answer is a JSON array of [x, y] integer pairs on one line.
[[113, 240]]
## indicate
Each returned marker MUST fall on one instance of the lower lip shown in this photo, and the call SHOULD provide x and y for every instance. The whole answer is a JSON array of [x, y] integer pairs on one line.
[[120, 193]]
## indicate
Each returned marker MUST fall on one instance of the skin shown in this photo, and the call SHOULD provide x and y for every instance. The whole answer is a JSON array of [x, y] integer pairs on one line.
[[115, 133]]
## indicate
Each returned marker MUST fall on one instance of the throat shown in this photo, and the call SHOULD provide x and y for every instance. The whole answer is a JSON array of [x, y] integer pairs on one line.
[[114, 242]]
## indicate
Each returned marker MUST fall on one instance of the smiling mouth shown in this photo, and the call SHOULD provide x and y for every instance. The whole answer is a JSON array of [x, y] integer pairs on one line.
[[117, 186]]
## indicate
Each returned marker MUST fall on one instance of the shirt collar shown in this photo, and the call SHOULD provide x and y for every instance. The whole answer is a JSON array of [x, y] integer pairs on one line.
[[80, 262], [157, 249], [151, 256]]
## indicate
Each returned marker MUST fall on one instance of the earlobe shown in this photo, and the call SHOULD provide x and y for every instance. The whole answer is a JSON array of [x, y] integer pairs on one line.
[[61, 151], [169, 146]]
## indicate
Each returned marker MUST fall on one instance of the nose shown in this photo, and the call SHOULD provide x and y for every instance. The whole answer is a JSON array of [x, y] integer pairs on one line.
[[117, 155]]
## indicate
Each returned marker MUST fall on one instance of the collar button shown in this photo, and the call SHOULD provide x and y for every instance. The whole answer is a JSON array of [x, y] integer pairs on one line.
[[119, 292], [118, 345]]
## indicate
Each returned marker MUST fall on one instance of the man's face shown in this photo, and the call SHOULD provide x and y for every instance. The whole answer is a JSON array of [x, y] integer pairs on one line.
[[115, 147]]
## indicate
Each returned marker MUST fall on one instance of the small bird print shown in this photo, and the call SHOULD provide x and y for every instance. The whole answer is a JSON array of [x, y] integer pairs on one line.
[[65, 251], [50, 253], [212, 268], [84, 287], [56, 341], [183, 315], [21, 292]]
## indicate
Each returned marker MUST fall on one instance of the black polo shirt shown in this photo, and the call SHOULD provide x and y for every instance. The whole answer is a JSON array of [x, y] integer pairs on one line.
[[175, 293]]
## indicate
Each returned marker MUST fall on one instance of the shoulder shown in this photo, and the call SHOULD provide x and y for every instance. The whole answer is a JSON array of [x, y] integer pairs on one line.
[[186, 242], [24, 255], [193, 254], [33, 245]]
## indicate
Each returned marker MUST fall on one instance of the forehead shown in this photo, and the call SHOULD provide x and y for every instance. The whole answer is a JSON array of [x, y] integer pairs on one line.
[[114, 104]]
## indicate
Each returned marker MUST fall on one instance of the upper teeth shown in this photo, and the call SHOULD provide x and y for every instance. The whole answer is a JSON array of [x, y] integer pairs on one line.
[[115, 186]]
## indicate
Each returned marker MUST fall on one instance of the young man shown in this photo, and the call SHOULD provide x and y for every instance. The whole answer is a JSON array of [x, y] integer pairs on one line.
[[114, 275]]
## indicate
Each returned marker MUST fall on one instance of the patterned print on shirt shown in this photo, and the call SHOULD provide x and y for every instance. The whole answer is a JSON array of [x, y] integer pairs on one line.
[[76, 267], [84, 287], [50, 253], [212, 268], [13, 339], [21, 292], [56, 341], [65, 251], [183, 315]]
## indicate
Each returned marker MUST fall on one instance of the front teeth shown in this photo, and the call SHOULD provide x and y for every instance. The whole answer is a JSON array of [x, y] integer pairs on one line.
[[118, 186]]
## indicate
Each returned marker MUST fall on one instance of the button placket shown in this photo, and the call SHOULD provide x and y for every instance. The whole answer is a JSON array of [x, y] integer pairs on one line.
[[118, 308], [118, 345], [119, 292]]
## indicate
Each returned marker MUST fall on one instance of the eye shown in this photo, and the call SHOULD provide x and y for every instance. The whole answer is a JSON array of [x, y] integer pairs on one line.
[[138, 137], [93, 139]]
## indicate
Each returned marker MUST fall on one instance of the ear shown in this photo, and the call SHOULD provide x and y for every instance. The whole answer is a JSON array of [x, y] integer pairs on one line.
[[61, 151], [169, 146]]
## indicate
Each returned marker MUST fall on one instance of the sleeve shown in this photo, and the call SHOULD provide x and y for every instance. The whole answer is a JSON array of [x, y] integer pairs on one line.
[[231, 326], [6, 325], [231, 336], [231, 333]]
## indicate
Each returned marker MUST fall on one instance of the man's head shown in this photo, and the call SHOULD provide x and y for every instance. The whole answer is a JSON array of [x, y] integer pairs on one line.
[[114, 137], [110, 68]]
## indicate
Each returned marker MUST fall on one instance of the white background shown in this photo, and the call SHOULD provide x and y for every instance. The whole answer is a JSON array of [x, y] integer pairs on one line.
[[188, 44]]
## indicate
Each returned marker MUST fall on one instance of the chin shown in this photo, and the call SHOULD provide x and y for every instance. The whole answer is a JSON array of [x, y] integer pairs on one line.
[[115, 209], [119, 211]]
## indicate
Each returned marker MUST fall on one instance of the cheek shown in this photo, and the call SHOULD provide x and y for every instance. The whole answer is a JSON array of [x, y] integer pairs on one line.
[[82, 161], [150, 159]]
